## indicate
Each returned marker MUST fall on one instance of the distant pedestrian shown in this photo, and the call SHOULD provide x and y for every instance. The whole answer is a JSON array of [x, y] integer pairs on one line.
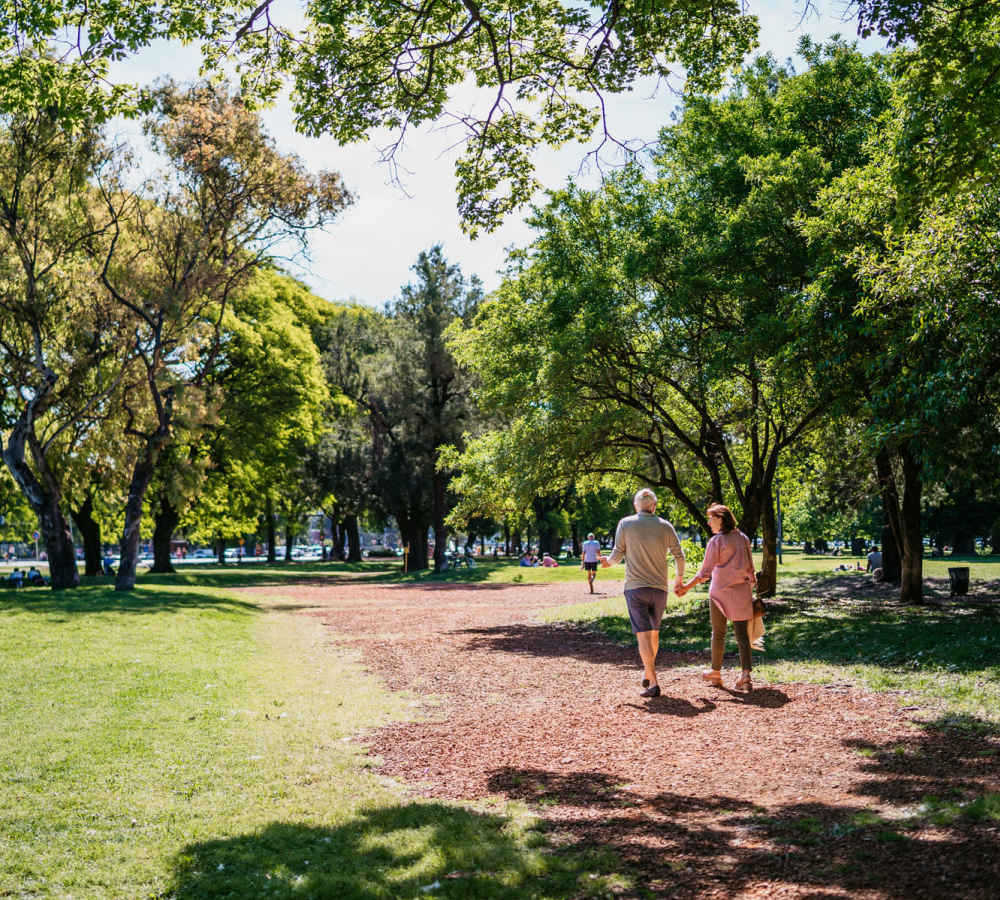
[[591, 549], [729, 564], [643, 541]]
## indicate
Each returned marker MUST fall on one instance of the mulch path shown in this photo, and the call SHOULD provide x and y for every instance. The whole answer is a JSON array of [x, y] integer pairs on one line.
[[701, 792]]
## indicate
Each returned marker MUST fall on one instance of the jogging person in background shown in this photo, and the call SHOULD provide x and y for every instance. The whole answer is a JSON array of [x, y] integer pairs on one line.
[[591, 558], [644, 540]]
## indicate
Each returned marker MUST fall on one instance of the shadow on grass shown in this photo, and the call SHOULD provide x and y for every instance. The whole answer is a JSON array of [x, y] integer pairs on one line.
[[944, 846], [386, 853], [101, 598]]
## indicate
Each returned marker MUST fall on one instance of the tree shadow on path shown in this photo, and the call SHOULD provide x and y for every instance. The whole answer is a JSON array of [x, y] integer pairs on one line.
[[555, 641], [692, 846]]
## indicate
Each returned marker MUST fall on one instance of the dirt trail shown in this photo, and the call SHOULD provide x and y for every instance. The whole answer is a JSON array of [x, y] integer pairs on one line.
[[792, 790]]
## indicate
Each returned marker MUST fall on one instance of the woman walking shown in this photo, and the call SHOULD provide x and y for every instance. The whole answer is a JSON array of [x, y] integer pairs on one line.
[[729, 564]]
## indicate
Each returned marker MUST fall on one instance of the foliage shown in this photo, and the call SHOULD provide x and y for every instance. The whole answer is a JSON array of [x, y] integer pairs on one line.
[[17, 521], [272, 396], [204, 227], [541, 72], [414, 398], [657, 331]]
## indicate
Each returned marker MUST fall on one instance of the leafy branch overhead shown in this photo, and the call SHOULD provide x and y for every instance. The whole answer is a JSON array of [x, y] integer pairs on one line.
[[544, 69]]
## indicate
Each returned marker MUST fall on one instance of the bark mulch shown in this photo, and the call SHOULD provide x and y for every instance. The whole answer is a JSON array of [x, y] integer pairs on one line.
[[794, 790]]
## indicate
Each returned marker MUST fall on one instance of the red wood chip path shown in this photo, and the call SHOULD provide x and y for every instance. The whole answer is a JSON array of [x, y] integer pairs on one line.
[[701, 792]]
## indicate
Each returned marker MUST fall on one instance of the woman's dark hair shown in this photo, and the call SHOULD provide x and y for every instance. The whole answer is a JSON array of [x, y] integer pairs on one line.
[[724, 513]]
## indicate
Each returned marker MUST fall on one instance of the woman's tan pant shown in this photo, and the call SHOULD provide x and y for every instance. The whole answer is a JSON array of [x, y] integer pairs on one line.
[[719, 622]]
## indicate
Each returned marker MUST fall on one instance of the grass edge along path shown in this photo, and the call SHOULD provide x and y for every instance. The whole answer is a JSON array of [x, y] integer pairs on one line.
[[182, 742]]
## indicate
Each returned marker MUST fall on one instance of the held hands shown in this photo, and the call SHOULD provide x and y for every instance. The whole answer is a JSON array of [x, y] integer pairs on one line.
[[680, 588]]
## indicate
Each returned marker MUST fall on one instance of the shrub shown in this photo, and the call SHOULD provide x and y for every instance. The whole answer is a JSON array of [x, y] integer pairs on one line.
[[693, 553]]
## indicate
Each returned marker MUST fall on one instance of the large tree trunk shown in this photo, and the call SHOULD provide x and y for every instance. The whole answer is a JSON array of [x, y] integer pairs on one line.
[[142, 474], [164, 526], [90, 531], [769, 535], [42, 494], [912, 584], [269, 526], [892, 560], [437, 518], [289, 541], [341, 539], [892, 550], [59, 548], [506, 540], [415, 536], [353, 538], [575, 534], [995, 539], [964, 544]]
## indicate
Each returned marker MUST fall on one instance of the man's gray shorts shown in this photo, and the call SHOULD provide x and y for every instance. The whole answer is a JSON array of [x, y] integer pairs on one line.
[[645, 608]]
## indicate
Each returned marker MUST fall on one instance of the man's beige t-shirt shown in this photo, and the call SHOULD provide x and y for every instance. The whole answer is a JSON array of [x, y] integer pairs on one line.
[[644, 540]]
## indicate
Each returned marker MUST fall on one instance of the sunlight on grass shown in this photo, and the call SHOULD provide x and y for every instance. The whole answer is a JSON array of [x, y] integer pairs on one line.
[[184, 742]]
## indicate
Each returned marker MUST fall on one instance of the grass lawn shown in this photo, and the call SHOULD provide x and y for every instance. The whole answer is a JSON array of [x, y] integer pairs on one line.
[[181, 742], [184, 741]]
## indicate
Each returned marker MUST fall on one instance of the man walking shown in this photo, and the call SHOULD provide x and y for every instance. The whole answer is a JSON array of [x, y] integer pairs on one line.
[[591, 550], [644, 540]]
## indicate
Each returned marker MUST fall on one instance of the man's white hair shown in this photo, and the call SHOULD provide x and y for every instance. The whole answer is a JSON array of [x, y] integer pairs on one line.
[[644, 500]]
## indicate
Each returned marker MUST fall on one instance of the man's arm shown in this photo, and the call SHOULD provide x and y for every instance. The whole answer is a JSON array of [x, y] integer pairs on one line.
[[674, 546]]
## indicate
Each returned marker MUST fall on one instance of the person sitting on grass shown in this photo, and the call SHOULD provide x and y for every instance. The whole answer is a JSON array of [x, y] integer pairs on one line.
[[525, 560], [548, 561], [35, 577]]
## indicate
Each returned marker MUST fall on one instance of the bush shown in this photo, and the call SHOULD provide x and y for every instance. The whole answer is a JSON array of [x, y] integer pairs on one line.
[[693, 553]]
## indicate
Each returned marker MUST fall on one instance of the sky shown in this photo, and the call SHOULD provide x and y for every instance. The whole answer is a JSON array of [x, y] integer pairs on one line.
[[367, 254]]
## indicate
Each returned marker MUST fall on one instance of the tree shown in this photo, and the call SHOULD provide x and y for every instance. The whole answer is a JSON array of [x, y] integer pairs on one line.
[[544, 69], [910, 249], [414, 398], [62, 359], [659, 330], [197, 237], [438, 389], [270, 391]]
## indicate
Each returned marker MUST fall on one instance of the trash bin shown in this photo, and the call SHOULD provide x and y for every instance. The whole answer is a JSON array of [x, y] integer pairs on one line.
[[959, 580]]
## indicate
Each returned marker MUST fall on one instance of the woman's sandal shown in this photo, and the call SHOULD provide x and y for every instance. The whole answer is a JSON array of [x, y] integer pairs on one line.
[[713, 676], [744, 683]]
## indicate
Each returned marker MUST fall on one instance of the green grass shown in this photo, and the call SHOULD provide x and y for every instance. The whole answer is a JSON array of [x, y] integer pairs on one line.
[[182, 742]]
